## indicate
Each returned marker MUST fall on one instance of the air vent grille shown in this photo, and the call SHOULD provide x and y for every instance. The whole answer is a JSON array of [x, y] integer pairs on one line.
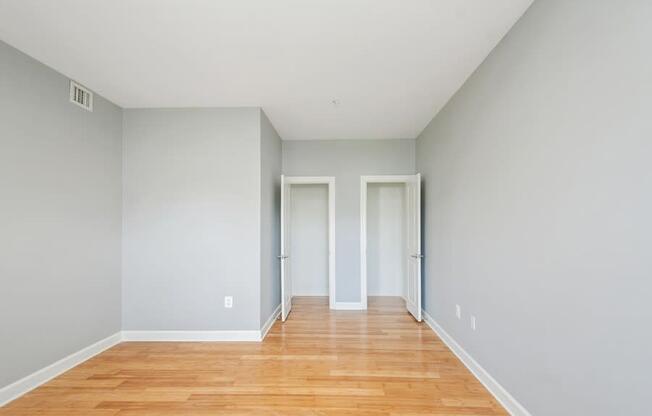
[[81, 96]]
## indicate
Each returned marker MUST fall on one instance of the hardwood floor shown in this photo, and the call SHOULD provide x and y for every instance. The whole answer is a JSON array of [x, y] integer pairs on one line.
[[320, 362]]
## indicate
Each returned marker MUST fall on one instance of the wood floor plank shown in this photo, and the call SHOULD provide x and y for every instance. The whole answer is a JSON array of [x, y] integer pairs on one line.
[[319, 362]]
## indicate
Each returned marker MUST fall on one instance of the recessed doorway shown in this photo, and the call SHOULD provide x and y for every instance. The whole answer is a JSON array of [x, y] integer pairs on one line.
[[390, 239], [307, 239]]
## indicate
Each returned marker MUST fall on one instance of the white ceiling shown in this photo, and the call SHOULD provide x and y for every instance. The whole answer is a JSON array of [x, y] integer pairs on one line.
[[391, 64]]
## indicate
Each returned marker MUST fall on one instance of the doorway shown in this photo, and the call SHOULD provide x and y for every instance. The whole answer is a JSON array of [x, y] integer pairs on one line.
[[386, 240], [307, 239], [390, 239]]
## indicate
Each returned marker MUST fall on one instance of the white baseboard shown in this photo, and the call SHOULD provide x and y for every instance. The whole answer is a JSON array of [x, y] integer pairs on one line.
[[191, 336], [30, 382], [504, 398], [270, 322], [349, 306]]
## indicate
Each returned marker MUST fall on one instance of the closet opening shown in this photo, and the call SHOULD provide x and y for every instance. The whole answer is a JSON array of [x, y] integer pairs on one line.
[[390, 239], [307, 239]]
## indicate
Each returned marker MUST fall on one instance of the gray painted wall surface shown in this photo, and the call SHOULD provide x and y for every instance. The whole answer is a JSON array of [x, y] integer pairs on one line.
[[347, 160], [60, 218], [191, 219], [270, 216], [537, 196]]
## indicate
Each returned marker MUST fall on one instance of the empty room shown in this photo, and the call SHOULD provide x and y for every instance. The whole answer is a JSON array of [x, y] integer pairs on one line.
[[325, 207]]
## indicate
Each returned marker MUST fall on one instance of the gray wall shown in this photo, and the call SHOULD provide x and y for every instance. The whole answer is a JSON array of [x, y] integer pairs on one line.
[[537, 196], [270, 217], [347, 160], [191, 219], [60, 216]]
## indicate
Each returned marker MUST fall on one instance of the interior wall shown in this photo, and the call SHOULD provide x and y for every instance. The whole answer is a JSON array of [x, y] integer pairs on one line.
[[192, 219], [270, 218], [386, 239], [537, 209], [309, 240], [347, 160], [60, 218]]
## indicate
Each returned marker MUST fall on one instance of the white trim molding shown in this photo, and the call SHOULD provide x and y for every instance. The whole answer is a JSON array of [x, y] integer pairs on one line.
[[270, 322], [30, 382], [350, 306], [192, 336], [500, 394]]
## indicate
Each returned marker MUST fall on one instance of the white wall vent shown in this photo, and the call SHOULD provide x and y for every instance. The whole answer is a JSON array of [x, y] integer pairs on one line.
[[81, 96]]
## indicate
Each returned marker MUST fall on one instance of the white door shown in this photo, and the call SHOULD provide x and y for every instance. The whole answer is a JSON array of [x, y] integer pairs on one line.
[[413, 298], [286, 276]]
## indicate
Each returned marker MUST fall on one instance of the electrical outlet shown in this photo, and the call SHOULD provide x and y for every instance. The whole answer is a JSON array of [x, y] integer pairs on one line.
[[473, 322], [228, 301], [458, 311]]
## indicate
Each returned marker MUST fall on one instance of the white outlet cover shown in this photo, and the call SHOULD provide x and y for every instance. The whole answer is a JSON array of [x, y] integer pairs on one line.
[[228, 301], [458, 311]]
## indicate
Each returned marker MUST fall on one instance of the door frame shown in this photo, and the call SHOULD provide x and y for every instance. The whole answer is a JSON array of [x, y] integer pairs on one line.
[[364, 182], [330, 181]]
